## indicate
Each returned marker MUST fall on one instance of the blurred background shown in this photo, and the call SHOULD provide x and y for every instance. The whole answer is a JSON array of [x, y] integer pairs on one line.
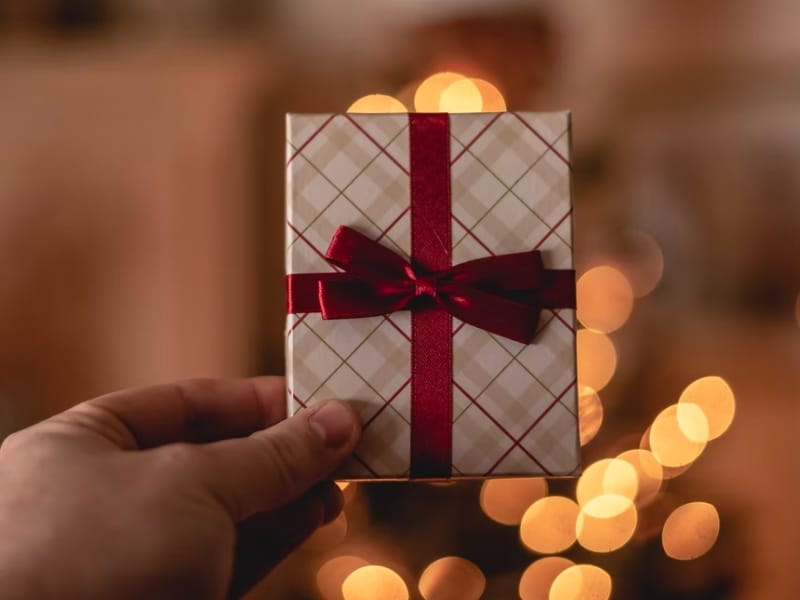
[[141, 240]]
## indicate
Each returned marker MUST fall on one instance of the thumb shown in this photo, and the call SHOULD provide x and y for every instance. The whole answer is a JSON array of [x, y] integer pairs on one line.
[[274, 466]]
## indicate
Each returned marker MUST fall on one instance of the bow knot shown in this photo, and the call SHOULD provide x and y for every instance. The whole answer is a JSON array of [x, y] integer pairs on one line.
[[501, 294]]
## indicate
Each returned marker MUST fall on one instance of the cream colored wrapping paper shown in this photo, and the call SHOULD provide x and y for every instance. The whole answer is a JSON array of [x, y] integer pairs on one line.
[[514, 405]]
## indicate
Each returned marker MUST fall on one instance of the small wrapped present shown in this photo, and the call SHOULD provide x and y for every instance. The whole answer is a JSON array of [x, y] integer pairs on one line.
[[430, 283]]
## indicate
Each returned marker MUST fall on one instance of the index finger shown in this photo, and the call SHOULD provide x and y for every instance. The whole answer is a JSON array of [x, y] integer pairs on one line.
[[197, 410]]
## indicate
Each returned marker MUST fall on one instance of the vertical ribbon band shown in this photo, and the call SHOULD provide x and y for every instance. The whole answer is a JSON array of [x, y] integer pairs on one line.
[[431, 328]]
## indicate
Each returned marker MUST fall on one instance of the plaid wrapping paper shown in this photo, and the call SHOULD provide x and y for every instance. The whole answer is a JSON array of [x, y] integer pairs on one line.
[[514, 405]]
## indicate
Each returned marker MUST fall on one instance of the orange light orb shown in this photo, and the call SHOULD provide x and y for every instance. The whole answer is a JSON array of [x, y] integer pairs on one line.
[[715, 398], [452, 578], [429, 92], [493, 100], [377, 103], [332, 574], [649, 473], [374, 582], [606, 523], [548, 526], [607, 476], [605, 299], [581, 582], [506, 500], [669, 442], [461, 96], [590, 414], [539, 576], [690, 531], [597, 359]]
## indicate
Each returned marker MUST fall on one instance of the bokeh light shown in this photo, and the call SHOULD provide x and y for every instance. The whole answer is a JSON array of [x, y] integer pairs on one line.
[[452, 578], [644, 264], [506, 500], [715, 398], [374, 582], [548, 526], [539, 576], [590, 414], [429, 92], [581, 582], [666, 472], [605, 299], [328, 536], [607, 476], [606, 523], [597, 359], [332, 574], [690, 531], [461, 96], [377, 103], [493, 100], [649, 474], [668, 442]]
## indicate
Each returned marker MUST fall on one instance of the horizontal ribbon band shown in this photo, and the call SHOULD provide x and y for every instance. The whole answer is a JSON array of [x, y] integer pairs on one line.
[[500, 294]]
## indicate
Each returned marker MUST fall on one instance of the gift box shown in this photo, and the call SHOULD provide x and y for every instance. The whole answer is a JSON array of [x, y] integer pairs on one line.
[[430, 283]]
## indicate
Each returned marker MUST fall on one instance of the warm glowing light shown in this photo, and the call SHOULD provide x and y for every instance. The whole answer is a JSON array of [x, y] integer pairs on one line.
[[377, 103], [461, 96], [649, 474], [374, 582], [667, 472], [715, 398], [581, 582], [606, 523], [607, 476], [539, 576], [590, 414], [328, 536], [548, 526], [332, 574], [452, 578], [690, 531], [597, 359], [668, 442], [645, 263], [605, 299], [493, 100], [348, 489], [506, 500], [429, 92]]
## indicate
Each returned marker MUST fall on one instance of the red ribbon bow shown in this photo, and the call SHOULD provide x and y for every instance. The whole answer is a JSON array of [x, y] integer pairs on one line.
[[501, 294]]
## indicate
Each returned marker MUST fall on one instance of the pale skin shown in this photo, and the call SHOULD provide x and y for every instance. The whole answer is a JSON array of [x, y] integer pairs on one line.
[[191, 490]]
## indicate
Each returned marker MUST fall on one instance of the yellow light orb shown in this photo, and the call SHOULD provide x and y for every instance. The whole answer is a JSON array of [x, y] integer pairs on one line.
[[539, 576], [607, 476], [581, 582], [606, 523], [605, 299], [649, 474], [327, 536], [668, 442], [690, 531], [377, 103], [332, 574], [644, 266], [429, 92], [590, 414], [374, 582], [548, 526], [506, 500], [452, 578], [493, 100], [597, 359], [667, 472], [461, 96], [715, 398]]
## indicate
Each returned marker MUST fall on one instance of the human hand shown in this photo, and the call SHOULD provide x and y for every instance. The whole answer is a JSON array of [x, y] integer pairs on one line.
[[190, 490]]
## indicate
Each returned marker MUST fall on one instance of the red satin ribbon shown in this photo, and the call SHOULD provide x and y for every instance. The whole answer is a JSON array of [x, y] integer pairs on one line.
[[502, 294]]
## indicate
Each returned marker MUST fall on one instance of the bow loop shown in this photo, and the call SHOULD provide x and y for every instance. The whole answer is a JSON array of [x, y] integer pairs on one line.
[[496, 293]]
